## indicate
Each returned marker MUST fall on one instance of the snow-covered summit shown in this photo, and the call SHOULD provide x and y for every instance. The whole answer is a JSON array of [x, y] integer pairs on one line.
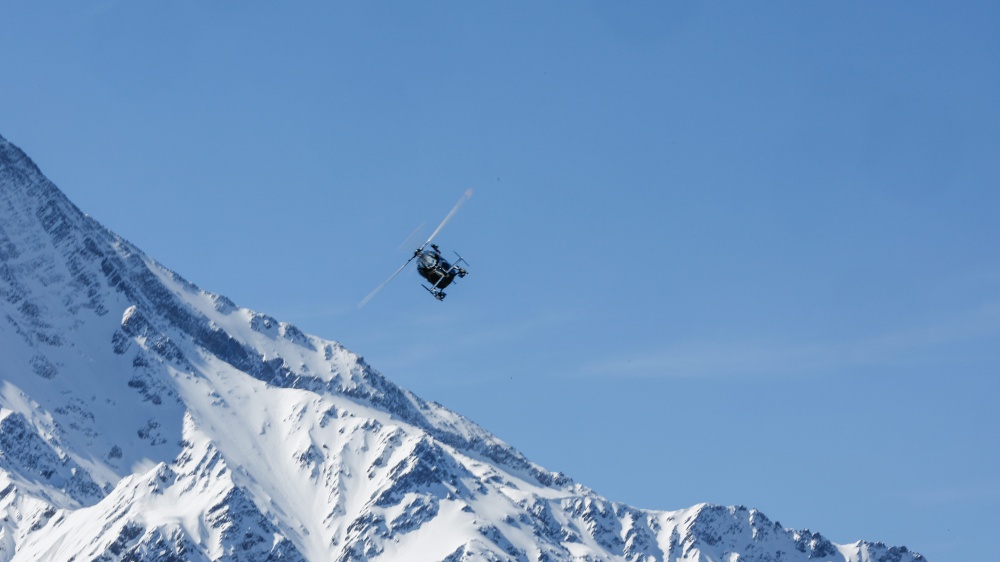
[[142, 418]]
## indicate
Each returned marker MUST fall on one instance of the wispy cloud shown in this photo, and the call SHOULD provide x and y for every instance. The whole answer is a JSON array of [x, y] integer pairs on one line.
[[754, 357]]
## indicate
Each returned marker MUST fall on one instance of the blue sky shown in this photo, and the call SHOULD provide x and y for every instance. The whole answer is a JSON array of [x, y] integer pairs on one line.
[[719, 252]]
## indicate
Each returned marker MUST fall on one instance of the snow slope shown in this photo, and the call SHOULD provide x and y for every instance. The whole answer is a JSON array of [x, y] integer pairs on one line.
[[144, 419]]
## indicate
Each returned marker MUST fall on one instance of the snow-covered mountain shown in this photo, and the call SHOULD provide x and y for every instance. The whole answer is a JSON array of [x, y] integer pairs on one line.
[[144, 419]]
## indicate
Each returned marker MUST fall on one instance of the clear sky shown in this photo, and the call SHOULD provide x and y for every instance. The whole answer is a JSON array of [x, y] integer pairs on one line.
[[742, 253]]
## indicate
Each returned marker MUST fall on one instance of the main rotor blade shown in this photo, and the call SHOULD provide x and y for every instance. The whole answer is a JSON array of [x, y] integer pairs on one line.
[[465, 197], [365, 300], [406, 243]]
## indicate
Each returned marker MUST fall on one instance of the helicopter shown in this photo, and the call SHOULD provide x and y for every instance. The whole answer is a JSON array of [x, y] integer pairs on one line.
[[431, 265]]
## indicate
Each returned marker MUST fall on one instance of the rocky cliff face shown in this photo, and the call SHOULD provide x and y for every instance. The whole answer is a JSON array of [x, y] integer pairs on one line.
[[144, 419]]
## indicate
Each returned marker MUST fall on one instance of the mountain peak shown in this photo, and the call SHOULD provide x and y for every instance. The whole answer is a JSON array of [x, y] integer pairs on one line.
[[143, 418]]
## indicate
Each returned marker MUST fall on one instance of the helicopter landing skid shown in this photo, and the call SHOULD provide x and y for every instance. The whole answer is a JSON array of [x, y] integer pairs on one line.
[[453, 271], [438, 293], [458, 270]]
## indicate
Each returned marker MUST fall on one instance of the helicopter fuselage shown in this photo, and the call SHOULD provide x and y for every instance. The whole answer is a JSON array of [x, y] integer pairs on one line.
[[435, 269]]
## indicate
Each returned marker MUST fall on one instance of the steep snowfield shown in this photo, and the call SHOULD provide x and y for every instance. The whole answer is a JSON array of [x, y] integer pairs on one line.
[[144, 419]]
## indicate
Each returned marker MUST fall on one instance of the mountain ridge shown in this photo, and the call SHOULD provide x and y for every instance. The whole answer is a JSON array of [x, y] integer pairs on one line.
[[146, 419]]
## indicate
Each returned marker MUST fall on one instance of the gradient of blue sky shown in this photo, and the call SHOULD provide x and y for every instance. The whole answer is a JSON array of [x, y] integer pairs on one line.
[[745, 254]]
